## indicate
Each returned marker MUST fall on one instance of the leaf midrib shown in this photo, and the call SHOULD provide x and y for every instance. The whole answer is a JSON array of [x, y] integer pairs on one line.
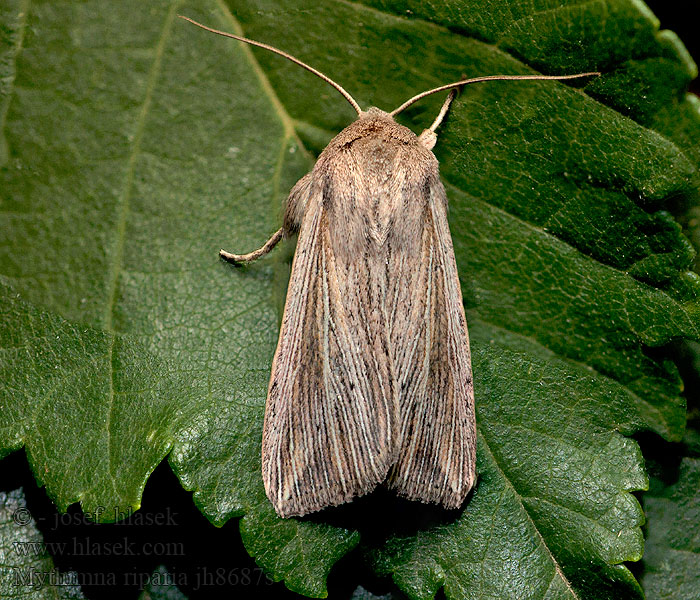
[[124, 209]]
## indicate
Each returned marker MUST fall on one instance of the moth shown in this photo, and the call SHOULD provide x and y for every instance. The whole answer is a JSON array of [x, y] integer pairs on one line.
[[371, 381]]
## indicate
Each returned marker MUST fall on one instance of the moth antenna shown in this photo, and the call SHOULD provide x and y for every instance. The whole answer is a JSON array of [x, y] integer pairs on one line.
[[325, 78], [443, 110], [457, 84]]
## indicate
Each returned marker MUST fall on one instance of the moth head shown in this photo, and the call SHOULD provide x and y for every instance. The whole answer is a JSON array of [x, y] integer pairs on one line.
[[373, 112]]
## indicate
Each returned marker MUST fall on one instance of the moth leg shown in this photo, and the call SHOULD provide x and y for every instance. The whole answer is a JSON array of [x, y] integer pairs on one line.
[[296, 206], [429, 137], [251, 256]]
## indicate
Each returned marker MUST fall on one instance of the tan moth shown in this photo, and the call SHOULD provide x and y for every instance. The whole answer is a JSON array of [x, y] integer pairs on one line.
[[371, 381]]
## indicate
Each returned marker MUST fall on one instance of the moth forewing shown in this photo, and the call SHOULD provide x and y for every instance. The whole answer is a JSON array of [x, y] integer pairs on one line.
[[332, 413], [437, 460], [372, 374]]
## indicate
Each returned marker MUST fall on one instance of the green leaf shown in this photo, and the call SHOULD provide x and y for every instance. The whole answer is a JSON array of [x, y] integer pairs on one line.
[[26, 568], [88, 405], [134, 146], [672, 553]]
